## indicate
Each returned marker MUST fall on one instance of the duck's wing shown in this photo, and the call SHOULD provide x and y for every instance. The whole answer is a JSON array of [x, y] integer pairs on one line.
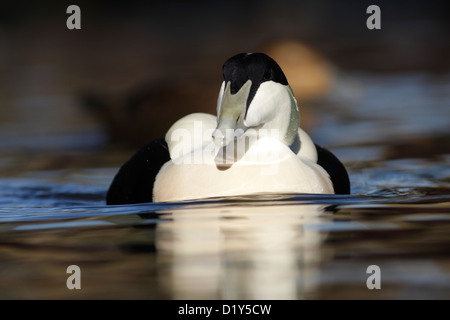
[[336, 170], [134, 181]]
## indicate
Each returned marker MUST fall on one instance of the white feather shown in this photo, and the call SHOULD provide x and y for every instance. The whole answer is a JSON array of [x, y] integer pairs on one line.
[[267, 166]]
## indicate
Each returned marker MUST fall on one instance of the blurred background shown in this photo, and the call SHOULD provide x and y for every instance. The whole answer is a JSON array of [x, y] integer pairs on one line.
[[91, 97], [76, 104]]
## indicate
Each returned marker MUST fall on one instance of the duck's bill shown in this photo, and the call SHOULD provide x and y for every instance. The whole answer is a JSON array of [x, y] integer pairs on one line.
[[226, 133], [231, 113]]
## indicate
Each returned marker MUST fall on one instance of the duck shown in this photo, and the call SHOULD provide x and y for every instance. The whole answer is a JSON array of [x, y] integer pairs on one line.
[[253, 145]]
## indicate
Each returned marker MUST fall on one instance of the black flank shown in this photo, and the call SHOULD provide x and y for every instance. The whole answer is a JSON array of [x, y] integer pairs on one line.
[[336, 170], [134, 181]]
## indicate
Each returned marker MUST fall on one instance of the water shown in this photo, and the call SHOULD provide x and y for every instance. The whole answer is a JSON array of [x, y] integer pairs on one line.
[[255, 247], [267, 246]]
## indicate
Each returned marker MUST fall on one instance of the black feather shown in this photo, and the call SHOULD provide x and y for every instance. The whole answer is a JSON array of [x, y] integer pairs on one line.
[[135, 179], [336, 170]]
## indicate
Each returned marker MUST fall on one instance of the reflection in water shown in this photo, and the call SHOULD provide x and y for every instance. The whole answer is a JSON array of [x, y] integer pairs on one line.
[[240, 252], [278, 247]]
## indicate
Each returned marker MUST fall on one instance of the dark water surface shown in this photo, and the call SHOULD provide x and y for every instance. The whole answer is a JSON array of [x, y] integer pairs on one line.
[[392, 132]]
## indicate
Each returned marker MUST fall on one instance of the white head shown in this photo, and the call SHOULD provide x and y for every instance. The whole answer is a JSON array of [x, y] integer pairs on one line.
[[255, 95]]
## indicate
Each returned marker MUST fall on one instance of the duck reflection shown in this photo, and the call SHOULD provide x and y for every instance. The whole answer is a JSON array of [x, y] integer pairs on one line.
[[239, 251]]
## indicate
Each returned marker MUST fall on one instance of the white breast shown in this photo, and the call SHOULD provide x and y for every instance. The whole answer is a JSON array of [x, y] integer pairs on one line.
[[267, 166]]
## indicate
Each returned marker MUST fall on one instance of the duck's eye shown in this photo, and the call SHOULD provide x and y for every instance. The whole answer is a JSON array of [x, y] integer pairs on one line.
[[267, 75]]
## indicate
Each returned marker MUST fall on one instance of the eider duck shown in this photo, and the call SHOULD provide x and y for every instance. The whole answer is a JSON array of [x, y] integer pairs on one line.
[[253, 145]]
